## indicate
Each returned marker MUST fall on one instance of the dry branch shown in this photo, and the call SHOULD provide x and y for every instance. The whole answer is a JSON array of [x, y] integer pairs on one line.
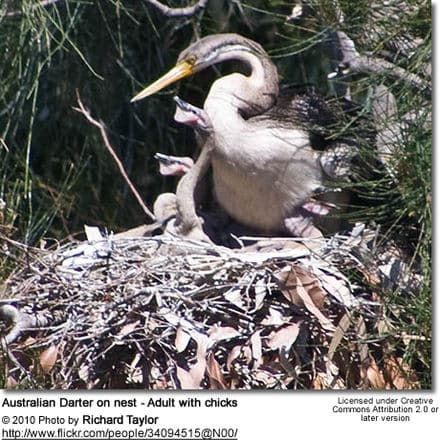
[[111, 150], [356, 62], [43, 4], [188, 11]]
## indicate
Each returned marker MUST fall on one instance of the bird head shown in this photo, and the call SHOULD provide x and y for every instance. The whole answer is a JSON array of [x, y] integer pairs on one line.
[[205, 52], [191, 115], [180, 70]]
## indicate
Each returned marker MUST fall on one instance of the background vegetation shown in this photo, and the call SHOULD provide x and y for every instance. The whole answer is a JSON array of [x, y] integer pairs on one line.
[[56, 176]]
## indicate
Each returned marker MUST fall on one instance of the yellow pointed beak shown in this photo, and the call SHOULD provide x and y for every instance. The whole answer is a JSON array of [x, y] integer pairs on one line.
[[181, 70]]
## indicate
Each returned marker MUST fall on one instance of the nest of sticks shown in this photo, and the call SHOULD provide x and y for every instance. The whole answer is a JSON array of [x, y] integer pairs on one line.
[[167, 313]]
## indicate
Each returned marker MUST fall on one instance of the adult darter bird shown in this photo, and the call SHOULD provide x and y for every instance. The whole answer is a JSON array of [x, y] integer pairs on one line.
[[269, 156]]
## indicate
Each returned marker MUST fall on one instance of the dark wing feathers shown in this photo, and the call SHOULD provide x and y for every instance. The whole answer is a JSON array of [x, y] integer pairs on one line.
[[324, 119]]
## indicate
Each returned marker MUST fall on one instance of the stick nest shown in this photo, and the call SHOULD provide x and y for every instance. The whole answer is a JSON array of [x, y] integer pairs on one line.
[[167, 313]]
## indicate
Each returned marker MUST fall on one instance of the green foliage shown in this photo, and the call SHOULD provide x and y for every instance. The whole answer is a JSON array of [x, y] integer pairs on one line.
[[55, 174]]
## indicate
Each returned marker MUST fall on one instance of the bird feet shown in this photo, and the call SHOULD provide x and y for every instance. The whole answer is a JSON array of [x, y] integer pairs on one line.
[[168, 215], [193, 230], [301, 225]]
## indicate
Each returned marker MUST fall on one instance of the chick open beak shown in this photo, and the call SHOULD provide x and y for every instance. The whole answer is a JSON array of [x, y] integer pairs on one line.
[[181, 70]]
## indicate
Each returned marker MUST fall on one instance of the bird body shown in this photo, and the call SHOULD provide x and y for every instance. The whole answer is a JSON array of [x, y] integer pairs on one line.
[[265, 166], [276, 165], [280, 171]]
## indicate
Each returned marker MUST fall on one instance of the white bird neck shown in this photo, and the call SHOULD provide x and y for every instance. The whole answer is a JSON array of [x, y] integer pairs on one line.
[[248, 95]]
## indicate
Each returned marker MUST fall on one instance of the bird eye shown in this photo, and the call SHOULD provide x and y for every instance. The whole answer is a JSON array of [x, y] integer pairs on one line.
[[191, 60]]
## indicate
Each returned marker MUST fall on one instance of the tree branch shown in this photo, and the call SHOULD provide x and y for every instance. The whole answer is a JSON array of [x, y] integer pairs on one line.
[[42, 3], [368, 64], [179, 12], [107, 144]]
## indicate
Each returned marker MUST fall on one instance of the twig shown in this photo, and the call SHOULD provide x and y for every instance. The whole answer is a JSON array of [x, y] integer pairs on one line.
[[107, 144], [42, 4], [377, 65], [369, 64], [179, 12]]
